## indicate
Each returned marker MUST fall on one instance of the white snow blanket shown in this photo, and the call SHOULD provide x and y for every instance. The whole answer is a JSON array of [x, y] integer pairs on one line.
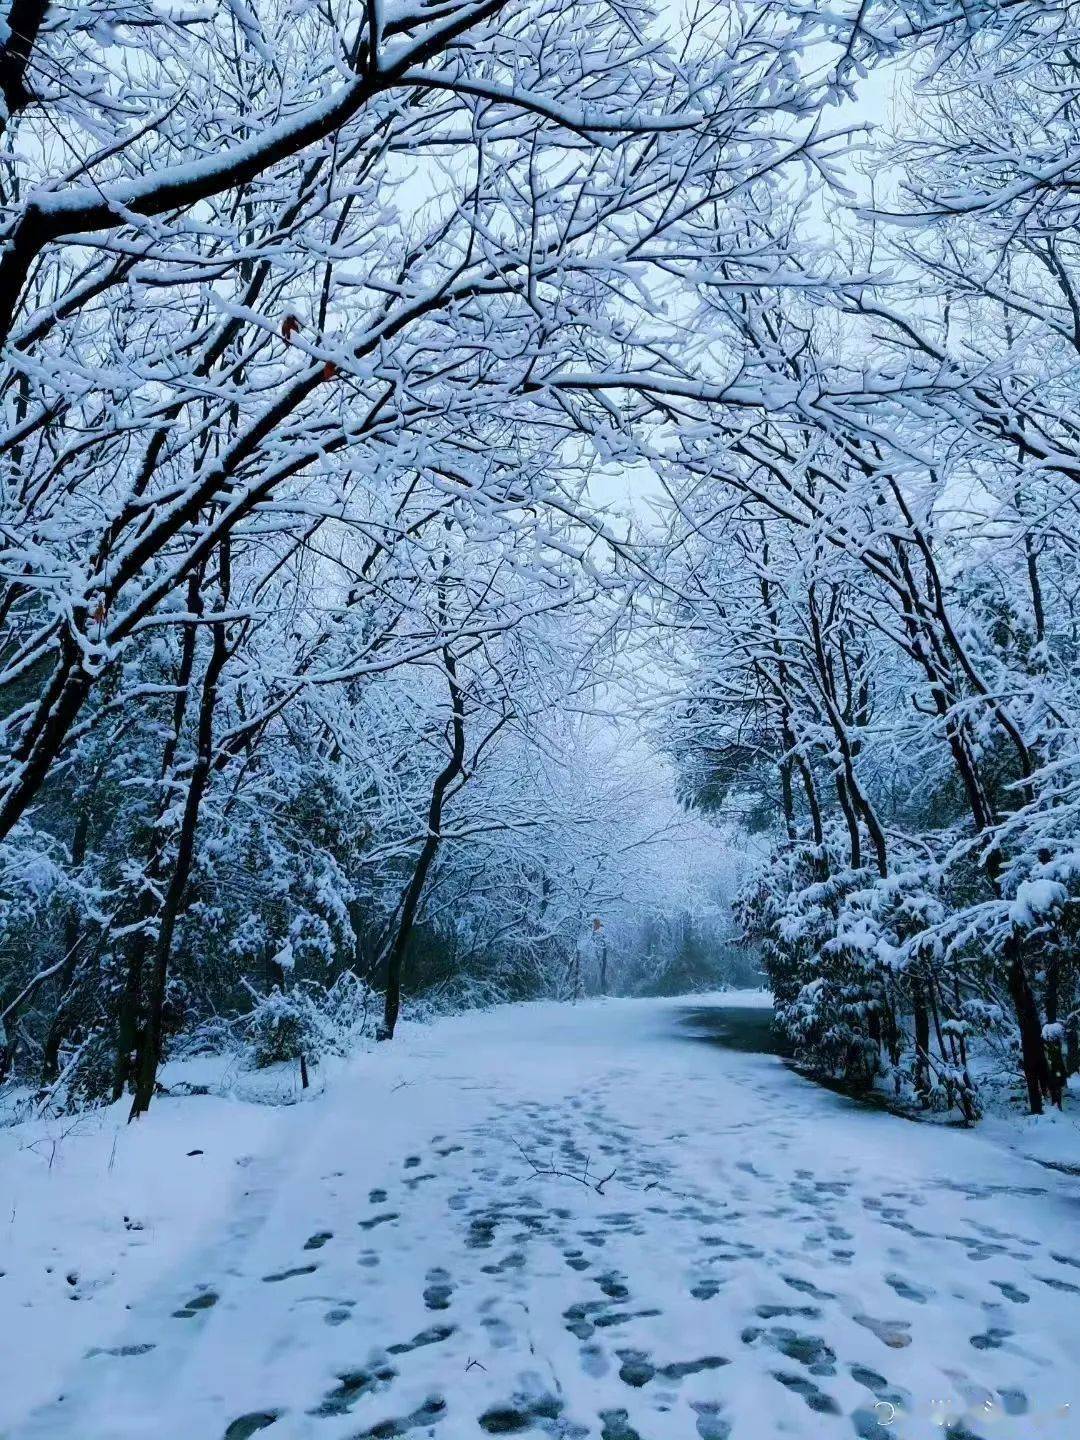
[[430, 1248]]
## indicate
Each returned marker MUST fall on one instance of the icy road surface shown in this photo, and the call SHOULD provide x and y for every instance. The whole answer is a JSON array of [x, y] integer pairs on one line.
[[766, 1258]]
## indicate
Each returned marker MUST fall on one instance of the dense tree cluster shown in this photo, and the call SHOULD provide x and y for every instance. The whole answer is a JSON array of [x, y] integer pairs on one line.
[[321, 325], [308, 314], [878, 583]]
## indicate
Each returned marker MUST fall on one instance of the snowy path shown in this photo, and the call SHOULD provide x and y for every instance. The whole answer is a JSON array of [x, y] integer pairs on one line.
[[768, 1260]]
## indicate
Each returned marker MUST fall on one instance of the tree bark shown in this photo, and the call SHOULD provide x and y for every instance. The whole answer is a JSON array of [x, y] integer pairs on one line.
[[24, 21], [1032, 1051], [410, 901], [151, 1035], [922, 1040], [1058, 1074], [127, 1027]]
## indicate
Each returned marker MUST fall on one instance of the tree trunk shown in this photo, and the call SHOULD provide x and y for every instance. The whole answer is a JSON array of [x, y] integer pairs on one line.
[[922, 1040], [1055, 1057], [127, 1028], [21, 30], [1032, 1052], [1072, 1045], [151, 1035], [410, 901]]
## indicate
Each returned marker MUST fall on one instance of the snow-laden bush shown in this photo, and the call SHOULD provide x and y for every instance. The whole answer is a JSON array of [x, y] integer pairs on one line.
[[307, 1021], [346, 1012], [822, 983], [86, 1076], [283, 1025], [864, 985]]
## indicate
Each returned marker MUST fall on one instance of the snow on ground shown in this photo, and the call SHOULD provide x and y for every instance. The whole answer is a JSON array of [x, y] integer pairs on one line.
[[1052, 1139], [768, 1258], [94, 1211]]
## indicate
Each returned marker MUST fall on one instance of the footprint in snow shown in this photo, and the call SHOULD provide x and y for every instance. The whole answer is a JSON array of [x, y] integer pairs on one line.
[[414, 1180], [617, 1426], [244, 1426], [438, 1289], [806, 1287], [205, 1300], [1014, 1402], [816, 1399], [279, 1275], [1059, 1284], [520, 1416], [387, 1218], [433, 1335], [428, 1414], [890, 1332], [512, 1261], [638, 1370], [595, 1363], [613, 1285], [352, 1386], [906, 1290], [992, 1339], [120, 1350], [499, 1333], [711, 1424], [808, 1350], [482, 1229], [706, 1289], [777, 1312]]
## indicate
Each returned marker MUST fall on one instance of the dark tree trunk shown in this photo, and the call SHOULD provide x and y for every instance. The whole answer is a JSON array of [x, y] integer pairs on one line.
[[127, 1029], [55, 715], [817, 829], [410, 901], [854, 840], [24, 21], [922, 1040], [151, 1035], [1032, 1051], [1055, 1057], [1072, 1045]]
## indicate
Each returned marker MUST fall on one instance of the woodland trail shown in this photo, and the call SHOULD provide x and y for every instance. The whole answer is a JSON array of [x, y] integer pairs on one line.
[[431, 1249]]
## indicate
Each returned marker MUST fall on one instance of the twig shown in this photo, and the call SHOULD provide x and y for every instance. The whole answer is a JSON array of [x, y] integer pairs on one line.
[[553, 1171]]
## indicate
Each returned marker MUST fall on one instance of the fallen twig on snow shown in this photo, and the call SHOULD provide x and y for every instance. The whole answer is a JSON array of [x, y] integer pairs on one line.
[[553, 1170]]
